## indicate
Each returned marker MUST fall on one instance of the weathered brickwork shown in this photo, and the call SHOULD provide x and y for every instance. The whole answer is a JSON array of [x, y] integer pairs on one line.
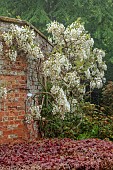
[[12, 109], [18, 77]]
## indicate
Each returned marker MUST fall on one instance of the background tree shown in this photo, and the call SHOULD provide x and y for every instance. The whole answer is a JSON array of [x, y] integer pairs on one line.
[[97, 15]]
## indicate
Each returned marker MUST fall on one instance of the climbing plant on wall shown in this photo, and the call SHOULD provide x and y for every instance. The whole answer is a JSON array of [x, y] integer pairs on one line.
[[72, 65]]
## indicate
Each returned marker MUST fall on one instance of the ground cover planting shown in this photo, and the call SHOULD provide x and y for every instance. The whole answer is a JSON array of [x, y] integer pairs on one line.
[[57, 154]]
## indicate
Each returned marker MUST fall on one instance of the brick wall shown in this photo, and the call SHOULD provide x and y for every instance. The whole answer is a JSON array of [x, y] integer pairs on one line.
[[12, 109], [18, 77]]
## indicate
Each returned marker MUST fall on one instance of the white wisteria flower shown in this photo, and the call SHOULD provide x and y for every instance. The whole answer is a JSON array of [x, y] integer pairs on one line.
[[3, 92], [12, 55], [35, 111], [62, 105], [1, 48], [87, 73]]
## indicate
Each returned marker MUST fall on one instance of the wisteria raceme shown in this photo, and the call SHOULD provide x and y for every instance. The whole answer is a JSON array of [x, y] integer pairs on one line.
[[87, 73], [62, 105], [3, 92], [1, 48], [12, 55], [35, 111], [73, 106]]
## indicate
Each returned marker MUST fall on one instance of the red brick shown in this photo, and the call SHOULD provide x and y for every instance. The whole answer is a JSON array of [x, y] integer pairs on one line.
[[12, 111]]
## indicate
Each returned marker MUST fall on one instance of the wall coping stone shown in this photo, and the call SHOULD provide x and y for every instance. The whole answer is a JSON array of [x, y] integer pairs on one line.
[[23, 23]]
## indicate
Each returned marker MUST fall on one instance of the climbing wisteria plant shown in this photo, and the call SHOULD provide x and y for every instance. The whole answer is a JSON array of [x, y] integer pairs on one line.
[[72, 66]]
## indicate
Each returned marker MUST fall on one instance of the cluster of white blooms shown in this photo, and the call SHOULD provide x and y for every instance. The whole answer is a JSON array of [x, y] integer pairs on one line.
[[73, 65], [3, 92], [73, 31], [57, 31], [21, 38], [88, 74], [97, 69], [12, 54], [71, 79], [35, 111], [55, 64], [62, 105], [74, 103]]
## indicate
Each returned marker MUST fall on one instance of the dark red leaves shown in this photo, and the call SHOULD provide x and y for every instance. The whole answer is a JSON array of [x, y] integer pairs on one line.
[[57, 154]]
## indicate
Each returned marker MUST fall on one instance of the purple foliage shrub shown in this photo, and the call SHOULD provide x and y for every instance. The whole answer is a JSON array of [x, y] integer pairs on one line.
[[58, 154]]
